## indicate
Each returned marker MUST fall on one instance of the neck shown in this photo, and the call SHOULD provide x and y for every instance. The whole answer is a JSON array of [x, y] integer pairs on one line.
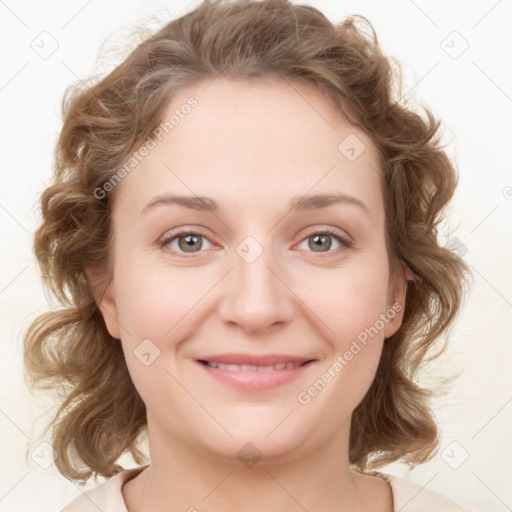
[[182, 477]]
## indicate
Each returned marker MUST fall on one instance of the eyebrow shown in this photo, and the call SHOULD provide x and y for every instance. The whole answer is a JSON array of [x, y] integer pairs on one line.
[[298, 203]]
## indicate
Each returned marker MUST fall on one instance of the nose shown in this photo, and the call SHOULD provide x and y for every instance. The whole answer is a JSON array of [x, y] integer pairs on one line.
[[256, 295]]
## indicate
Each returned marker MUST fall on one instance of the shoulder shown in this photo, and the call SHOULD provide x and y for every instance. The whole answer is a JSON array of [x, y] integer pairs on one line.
[[411, 497], [106, 496]]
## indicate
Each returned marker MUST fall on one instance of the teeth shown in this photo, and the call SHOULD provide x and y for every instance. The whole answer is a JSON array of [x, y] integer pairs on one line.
[[252, 368], [248, 367]]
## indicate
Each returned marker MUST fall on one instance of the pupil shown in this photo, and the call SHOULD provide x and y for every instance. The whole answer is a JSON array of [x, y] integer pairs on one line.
[[318, 241], [190, 241]]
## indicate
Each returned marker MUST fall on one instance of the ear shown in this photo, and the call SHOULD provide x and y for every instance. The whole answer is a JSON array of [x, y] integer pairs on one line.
[[105, 299], [397, 292]]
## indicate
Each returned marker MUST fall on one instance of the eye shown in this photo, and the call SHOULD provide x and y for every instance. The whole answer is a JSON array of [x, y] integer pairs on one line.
[[184, 242], [319, 240], [190, 242]]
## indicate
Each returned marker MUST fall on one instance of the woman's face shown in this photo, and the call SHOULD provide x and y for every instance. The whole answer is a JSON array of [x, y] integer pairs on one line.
[[244, 270]]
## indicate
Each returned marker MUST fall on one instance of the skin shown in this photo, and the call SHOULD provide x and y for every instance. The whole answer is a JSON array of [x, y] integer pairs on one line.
[[251, 146]]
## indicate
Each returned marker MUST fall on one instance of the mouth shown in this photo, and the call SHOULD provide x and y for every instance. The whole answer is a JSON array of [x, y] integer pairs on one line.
[[252, 367], [256, 373]]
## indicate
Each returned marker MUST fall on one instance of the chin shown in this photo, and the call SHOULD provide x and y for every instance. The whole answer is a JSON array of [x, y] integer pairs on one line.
[[263, 446]]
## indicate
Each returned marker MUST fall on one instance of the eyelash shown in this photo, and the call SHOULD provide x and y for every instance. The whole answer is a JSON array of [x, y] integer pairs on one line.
[[338, 235]]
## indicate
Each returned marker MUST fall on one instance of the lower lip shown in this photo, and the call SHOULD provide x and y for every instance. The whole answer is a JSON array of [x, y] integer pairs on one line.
[[255, 380]]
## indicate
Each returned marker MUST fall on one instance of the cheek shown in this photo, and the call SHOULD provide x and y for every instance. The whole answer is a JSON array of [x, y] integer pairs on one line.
[[352, 305], [154, 299], [158, 309], [349, 300], [154, 314]]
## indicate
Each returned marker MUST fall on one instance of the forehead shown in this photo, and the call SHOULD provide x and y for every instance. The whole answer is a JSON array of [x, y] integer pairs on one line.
[[267, 141]]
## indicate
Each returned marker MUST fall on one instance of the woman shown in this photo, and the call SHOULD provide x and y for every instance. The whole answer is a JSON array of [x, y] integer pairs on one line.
[[242, 232]]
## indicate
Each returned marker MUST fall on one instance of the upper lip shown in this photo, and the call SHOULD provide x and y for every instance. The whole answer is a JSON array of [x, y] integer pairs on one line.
[[256, 360]]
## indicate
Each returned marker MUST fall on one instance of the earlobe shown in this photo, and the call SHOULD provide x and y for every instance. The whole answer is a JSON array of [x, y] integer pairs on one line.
[[107, 306], [396, 299], [105, 299], [409, 275]]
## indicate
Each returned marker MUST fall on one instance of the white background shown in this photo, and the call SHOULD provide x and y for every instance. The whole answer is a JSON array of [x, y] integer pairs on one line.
[[472, 94]]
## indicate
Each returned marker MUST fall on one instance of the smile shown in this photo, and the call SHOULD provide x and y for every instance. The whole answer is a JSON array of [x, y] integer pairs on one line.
[[252, 368], [254, 373]]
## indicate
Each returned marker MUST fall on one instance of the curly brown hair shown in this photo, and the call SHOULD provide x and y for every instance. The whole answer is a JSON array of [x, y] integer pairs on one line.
[[69, 350]]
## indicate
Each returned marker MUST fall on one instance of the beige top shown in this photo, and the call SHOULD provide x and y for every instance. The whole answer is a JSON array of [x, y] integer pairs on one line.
[[407, 496]]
